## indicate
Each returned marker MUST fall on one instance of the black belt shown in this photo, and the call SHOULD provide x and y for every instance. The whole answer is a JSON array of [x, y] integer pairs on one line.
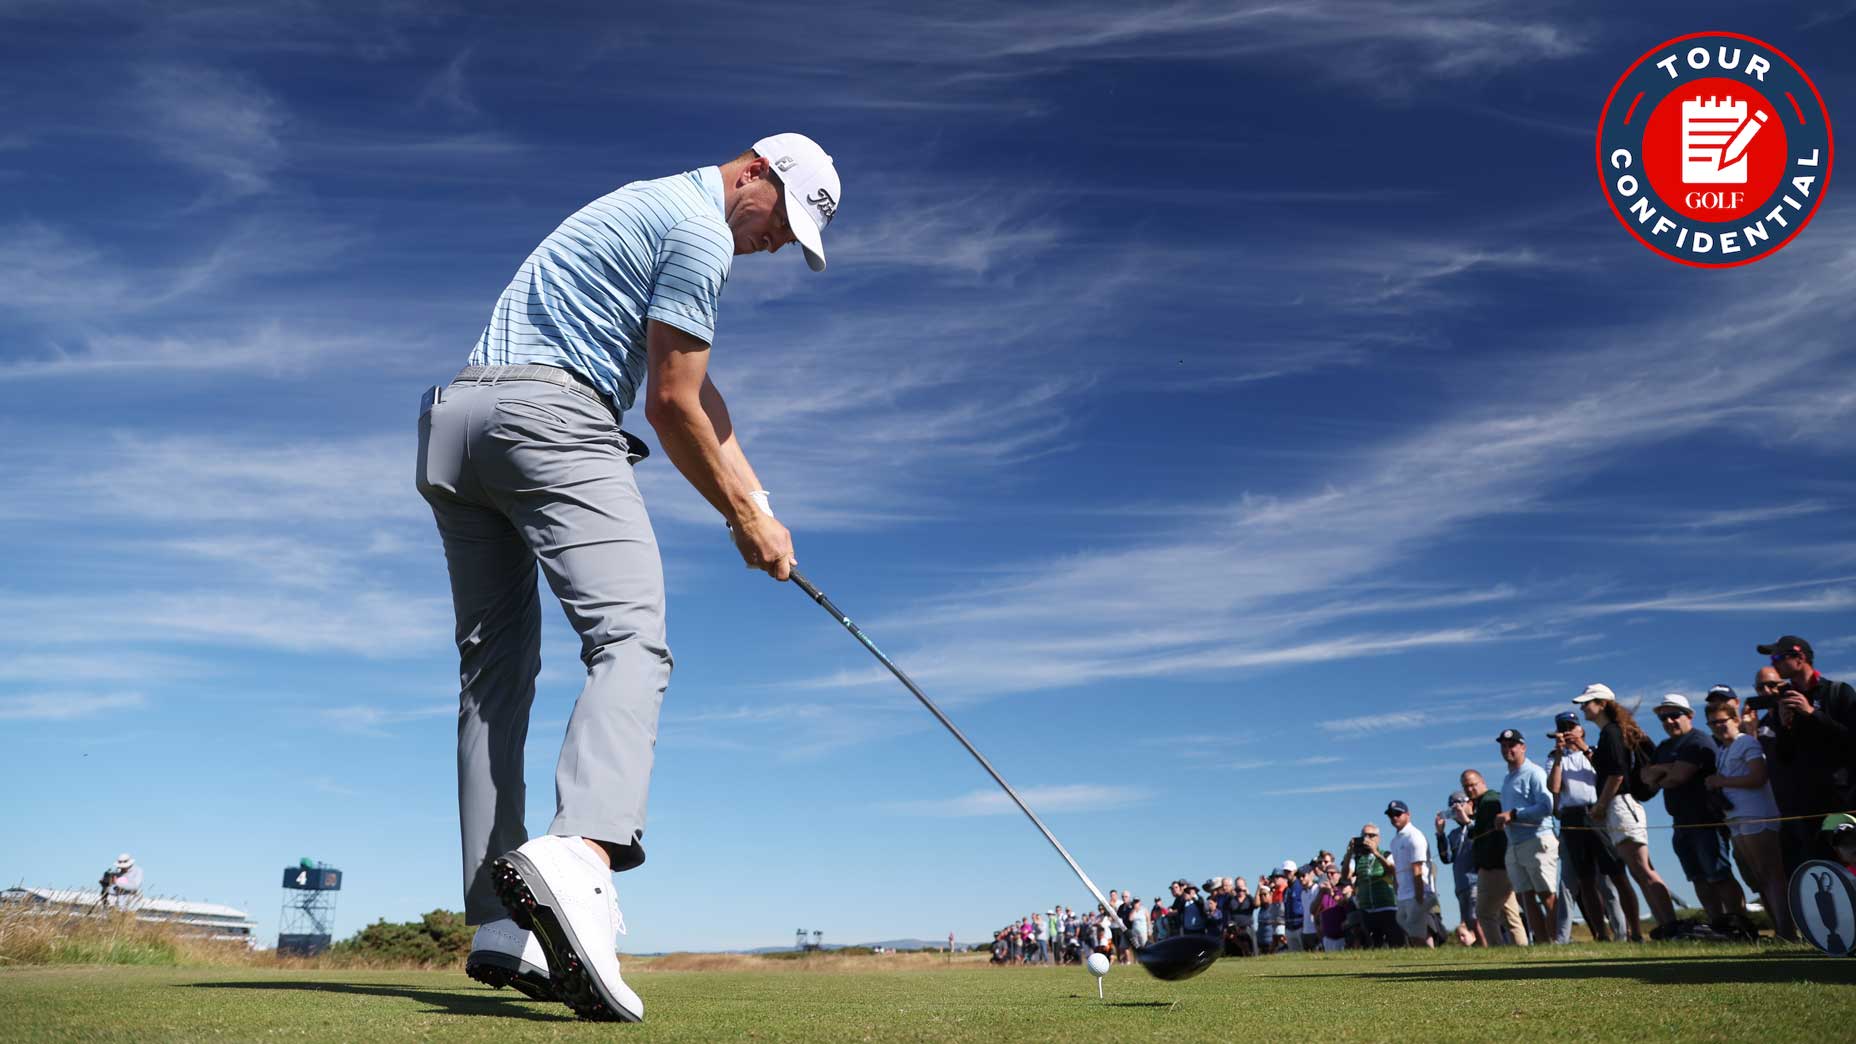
[[560, 377]]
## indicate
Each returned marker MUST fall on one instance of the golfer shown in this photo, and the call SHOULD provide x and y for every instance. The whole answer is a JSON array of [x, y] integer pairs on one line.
[[523, 462]]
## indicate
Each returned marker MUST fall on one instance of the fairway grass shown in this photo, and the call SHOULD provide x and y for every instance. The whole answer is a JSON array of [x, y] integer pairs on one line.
[[1681, 992]]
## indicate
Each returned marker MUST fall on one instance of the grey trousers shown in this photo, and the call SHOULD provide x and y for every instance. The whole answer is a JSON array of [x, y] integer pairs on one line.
[[518, 473]]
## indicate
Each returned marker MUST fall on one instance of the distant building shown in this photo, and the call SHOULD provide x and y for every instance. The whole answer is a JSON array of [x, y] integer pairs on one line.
[[193, 920]]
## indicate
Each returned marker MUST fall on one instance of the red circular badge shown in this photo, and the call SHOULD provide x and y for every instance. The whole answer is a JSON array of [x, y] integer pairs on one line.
[[1714, 149]]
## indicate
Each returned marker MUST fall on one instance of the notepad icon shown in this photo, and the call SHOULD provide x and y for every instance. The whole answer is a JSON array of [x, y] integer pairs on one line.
[[1715, 136]]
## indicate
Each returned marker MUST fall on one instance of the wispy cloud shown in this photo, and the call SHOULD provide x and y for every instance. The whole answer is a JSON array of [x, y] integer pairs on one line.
[[1829, 594], [449, 90], [122, 665], [1387, 783], [1735, 518], [374, 622], [222, 124], [185, 478], [1069, 797], [368, 719], [99, 299], [1441, 714], [67, 706], [1312, 761], [1227, 584], [1384, 45], [267, 350]]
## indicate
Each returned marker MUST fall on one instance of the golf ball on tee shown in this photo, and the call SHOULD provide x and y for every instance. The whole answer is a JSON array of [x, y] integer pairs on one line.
[[1098, 964]]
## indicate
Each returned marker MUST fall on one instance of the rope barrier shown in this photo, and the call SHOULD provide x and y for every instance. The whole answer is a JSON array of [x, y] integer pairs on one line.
[[1676, 826]]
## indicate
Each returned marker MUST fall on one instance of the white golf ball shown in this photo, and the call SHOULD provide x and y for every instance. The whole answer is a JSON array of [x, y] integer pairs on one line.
[[1098, 964]]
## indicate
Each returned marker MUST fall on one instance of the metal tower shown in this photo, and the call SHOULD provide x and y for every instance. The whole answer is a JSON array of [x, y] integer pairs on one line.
[[307, 922]]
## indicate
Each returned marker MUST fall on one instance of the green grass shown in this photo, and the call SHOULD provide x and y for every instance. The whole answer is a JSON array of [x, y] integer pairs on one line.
[[1674, 992]]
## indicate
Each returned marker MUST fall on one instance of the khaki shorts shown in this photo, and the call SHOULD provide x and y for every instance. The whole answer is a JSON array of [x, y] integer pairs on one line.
[[1624, 822], [1534, 864]]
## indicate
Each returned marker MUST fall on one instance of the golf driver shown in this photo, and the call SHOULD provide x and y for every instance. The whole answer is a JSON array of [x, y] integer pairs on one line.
[[1180, 957]]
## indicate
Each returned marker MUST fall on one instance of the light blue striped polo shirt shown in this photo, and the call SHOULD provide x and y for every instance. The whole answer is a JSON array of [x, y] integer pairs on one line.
[[657, 250]]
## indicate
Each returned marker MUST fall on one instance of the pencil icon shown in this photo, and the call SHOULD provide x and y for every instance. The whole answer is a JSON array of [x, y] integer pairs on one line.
[[1743, 138]]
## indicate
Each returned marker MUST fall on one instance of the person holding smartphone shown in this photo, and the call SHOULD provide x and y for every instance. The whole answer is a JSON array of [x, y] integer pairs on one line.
[[1814, 725], [1370, 872]]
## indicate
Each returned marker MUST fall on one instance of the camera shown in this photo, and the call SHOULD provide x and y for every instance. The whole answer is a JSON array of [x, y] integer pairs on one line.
[[1764, 701]]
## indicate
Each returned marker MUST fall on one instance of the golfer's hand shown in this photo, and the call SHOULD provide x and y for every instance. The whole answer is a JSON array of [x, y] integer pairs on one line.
[[765, 545]]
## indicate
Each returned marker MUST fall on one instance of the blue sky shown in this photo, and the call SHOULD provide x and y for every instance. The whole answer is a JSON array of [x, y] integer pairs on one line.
[[1234, 415]]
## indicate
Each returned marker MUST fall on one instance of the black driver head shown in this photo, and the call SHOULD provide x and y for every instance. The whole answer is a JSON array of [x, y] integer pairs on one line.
[[1180, 957]]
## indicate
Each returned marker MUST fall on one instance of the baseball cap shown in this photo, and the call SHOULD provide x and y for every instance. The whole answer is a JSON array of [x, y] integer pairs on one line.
[[1676, 701], [1288, 866], [1837, 821], [1596, 691], [1457, 797], [1510, 736], [1788, 643], [1565, 720], [1722, 692], [810, 180], [1397, 808]]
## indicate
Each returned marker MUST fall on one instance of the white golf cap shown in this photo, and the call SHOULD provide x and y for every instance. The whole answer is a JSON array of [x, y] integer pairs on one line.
[[1289, 865], [1676, 701], [125, 860], [1596, 692], [812, 189]]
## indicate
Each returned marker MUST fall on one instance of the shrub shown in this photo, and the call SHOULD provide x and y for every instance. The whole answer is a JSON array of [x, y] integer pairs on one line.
[[440, 938]]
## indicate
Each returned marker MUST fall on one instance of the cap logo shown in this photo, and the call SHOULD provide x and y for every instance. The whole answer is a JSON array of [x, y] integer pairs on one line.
[[823, 203], [784, 164]]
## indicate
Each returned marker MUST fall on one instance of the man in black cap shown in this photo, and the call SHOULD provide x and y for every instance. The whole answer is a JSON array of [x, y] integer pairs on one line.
[[1593, 876], [1815, 728], [1414, 890], [1453, 848]]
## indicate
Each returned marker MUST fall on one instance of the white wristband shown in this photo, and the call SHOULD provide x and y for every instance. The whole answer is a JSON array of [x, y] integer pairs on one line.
[[759, 497]]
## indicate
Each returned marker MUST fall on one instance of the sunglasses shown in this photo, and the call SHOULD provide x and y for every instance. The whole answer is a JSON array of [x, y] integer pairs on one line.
[[1670, 717], [1779, 658]]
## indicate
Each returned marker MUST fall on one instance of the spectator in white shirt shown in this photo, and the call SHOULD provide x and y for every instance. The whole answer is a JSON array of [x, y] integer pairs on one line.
[[1753, 814], [1411, 868], [123, 881], [1137, 925]]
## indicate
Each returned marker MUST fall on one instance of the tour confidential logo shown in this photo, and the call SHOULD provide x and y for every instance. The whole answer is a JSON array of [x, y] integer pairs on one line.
[[1714, 149]]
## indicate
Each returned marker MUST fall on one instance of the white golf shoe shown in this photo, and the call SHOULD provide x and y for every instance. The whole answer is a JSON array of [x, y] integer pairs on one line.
[[504, 954], [557, 888]]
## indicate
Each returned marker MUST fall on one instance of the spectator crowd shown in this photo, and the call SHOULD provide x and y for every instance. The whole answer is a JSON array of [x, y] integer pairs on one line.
[[1752, 787]]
